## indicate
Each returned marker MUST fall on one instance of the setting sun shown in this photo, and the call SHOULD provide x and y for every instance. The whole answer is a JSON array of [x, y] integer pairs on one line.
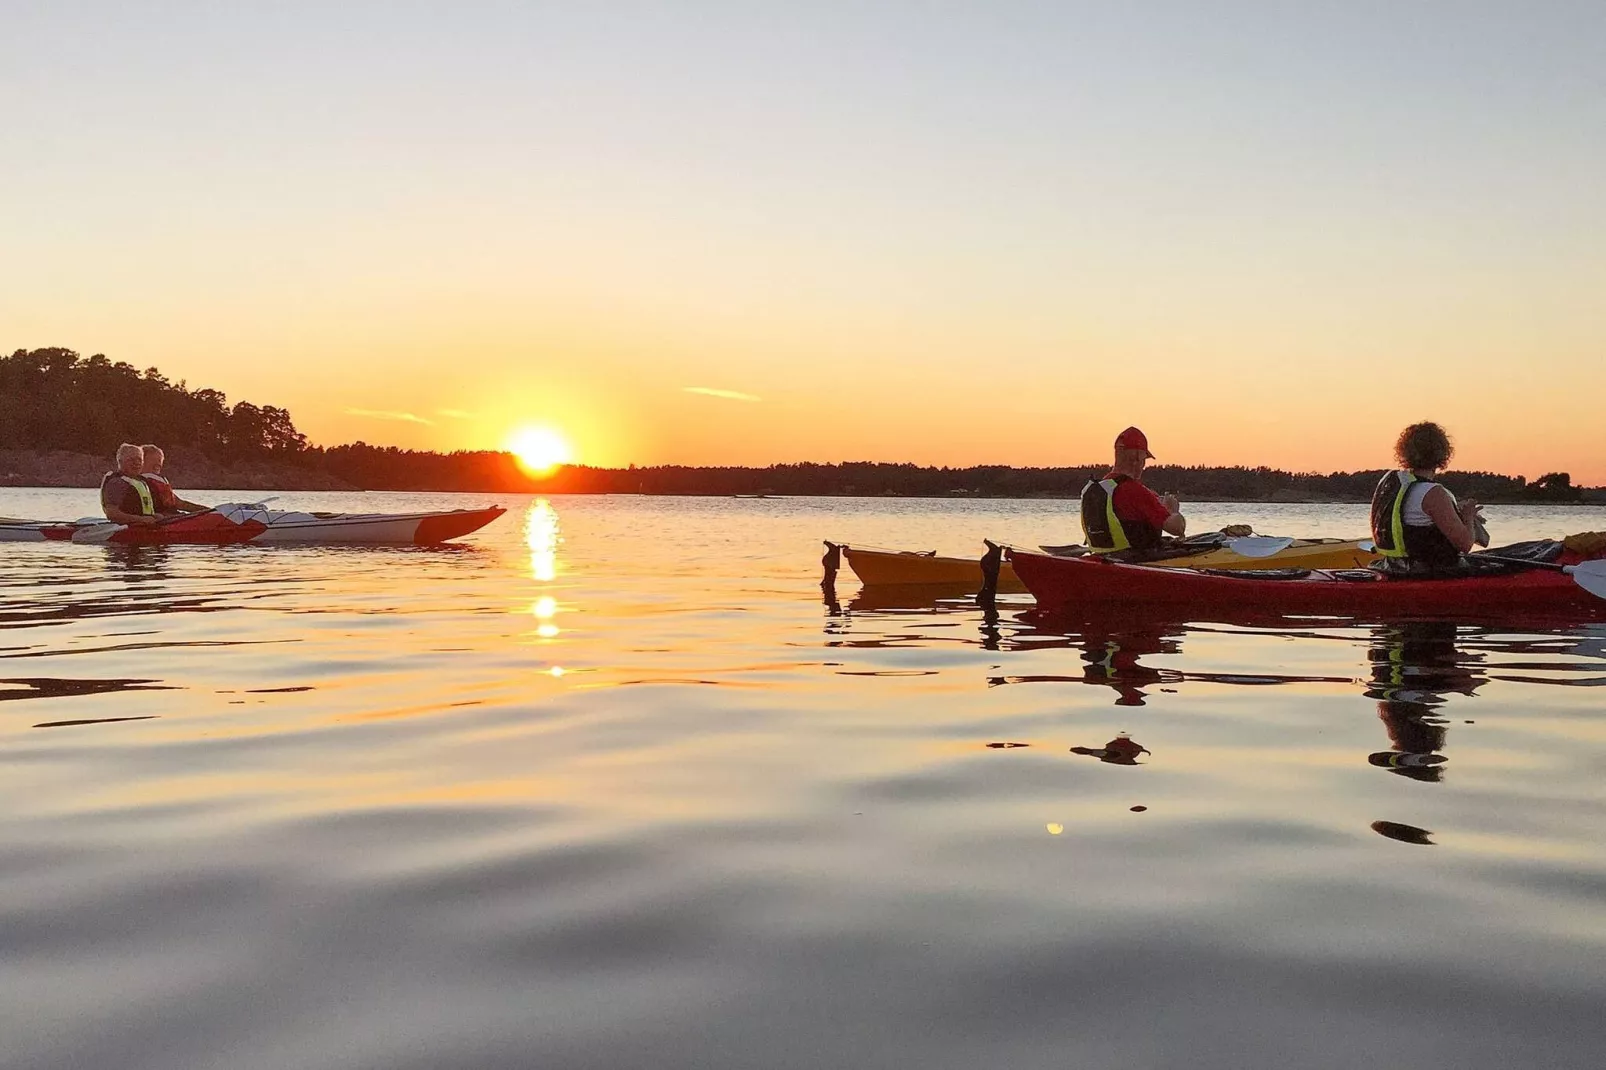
[[539, 449]]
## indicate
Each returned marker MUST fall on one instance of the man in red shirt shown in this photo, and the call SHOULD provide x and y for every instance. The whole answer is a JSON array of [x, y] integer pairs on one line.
[[168, 503], [1119, 512]]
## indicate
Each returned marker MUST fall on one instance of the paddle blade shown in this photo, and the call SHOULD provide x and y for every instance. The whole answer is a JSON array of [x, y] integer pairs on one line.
[[1259, 545], [1591, 576], [96, 533]]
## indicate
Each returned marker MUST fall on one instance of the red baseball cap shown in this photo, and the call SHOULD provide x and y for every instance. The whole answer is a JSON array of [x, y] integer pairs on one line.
[[1133, 439]]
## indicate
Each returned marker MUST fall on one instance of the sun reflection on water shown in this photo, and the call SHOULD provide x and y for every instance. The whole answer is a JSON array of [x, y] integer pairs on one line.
[[544, 609], [542, 536]]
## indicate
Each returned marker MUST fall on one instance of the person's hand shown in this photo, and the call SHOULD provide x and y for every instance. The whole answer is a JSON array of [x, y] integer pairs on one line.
[[1170, 502], [145, 521], [1469, 511]]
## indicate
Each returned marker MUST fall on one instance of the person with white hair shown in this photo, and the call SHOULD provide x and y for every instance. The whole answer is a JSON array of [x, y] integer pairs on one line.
[[125, 498], [168, 503]]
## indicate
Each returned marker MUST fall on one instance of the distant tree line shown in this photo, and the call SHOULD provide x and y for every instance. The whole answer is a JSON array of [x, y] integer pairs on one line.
[[1194, 482], [55, 399]]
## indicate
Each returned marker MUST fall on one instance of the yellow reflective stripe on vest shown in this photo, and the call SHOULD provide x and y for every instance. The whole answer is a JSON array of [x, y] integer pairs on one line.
[[1113, 522], [1397, 518], [147, 504]]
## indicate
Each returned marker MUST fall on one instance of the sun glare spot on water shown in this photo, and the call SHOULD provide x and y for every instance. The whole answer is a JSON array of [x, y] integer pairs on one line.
[[545, 607], [539, 450], [542, 538]]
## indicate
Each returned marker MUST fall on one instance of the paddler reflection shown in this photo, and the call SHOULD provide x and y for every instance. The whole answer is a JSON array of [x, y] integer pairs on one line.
[[1111, 653], [1416, 666], [1112, 658], [1122, 750]]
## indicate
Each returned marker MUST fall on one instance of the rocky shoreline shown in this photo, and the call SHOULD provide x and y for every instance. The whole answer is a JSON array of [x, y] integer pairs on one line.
[[59, 468]]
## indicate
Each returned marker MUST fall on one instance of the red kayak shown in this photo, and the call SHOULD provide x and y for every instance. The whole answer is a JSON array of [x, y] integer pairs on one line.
[[1074, 584]]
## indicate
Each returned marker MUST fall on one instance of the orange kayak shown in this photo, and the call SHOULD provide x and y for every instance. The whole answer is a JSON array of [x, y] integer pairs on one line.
[[876, 568]]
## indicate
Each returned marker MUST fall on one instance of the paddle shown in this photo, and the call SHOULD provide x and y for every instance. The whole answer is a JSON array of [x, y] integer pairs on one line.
[[102, 533], [1590, 575], [174, 517], [1255, 546], [1259, 545]]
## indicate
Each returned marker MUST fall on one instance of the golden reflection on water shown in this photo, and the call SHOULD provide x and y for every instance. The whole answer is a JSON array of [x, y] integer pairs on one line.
[[544, 609], [542, 535]]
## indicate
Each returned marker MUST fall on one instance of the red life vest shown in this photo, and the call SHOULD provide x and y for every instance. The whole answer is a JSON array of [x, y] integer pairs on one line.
[[162, 492]]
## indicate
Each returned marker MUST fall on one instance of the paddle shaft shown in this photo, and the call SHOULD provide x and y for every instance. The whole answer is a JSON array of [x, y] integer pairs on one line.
[[176, 517], [1520, 562], [1590, 575]]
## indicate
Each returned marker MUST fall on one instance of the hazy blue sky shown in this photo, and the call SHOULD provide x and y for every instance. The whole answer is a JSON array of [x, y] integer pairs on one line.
[[942, 232]]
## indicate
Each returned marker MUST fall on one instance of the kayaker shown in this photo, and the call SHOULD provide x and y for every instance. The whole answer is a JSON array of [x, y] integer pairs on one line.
[[125, 498], [1417, 524], [168, 503], [1119, 513]]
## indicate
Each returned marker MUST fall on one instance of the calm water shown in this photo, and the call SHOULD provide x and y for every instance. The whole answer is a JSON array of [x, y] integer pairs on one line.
[[612, 785]]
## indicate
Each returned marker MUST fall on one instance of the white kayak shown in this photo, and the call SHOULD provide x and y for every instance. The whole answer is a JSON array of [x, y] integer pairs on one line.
[[418, 529], [235, 523]]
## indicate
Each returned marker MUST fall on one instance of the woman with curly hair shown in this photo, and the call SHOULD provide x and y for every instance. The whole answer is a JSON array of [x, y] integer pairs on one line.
[[1416, 522]]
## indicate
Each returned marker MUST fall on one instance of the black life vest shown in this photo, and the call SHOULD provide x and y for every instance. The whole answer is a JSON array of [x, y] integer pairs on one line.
[[1106, 532], [1397, 540]]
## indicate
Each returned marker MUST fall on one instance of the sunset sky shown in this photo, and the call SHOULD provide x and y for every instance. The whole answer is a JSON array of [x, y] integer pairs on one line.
[[749, 232]]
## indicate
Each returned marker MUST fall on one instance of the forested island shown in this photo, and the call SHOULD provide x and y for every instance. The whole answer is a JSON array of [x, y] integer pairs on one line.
[[62, 415]]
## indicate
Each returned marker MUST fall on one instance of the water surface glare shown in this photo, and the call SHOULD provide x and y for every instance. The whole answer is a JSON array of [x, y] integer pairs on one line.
[[614, 784]]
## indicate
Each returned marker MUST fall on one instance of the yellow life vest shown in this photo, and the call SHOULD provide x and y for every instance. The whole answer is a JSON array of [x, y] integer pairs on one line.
[[147, 504], [1113, 537], [1390, 540]]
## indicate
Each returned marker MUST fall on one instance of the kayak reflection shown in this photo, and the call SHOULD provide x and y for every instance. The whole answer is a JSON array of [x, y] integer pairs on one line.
[[135, 562], [1112, 653], [902, 606], [1415, 668], [925, 596]]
